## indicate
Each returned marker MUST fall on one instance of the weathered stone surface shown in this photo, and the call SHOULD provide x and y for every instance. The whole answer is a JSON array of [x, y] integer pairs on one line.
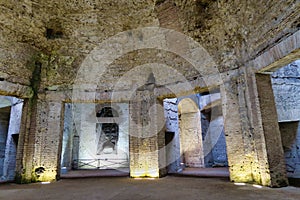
[[286, 87], [239, 156], [8, 88], [47, 47], [291, 141], [235, 31], [227, 30], [147, 139], [191, 147], [271, 131]]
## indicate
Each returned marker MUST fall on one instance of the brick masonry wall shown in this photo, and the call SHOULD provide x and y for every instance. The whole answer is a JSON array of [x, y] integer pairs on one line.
[[60, 36], [286, 87]]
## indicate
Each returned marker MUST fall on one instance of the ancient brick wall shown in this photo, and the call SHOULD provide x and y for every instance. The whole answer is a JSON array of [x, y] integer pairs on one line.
[[286, 86], [58, 36]]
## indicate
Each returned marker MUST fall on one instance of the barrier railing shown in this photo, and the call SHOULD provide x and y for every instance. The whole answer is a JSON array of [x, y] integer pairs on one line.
[[103, 163]]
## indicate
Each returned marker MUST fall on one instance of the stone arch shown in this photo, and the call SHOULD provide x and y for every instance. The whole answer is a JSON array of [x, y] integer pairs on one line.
[[187, 105], [191, 148], [107, 112]]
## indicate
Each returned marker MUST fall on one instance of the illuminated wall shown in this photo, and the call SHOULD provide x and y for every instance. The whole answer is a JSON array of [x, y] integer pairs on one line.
[[91, 138], [147, 133]]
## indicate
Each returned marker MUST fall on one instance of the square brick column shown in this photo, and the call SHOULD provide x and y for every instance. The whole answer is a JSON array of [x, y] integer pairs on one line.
[[191, 147], [38, 156], [239, 152], [254, 146], [271, 132], [147, 135]]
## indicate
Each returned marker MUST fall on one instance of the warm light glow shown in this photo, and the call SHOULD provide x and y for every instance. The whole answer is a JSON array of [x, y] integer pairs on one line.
[[45, 182], [239, 184], [146, 166], [241, 171], [46, 176], [147, 178], [145, 173], [257, 186]]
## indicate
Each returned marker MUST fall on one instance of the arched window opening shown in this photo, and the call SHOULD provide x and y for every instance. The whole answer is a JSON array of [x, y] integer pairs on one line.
[[107, 112]]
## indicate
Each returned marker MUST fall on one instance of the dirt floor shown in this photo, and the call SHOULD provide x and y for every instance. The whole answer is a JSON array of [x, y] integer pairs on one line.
[[121, 188]]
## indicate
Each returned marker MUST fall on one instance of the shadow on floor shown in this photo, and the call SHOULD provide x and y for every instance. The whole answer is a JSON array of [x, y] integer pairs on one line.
[[220, 172], [294, 182], [95, 173]]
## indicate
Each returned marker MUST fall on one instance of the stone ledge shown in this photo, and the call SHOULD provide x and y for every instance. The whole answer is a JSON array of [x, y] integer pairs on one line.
[[13, 89]]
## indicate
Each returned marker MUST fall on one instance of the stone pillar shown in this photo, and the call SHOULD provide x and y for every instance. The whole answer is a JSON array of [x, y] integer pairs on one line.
[[146, 130], [271, 132], [252, 135], [190, 134], [39, 148], [24, 156], [239, 152]]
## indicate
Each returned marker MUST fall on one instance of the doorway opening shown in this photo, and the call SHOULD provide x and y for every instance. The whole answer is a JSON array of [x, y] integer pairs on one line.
[[95, 137], [286, 89], [197, 145], [10, 121]]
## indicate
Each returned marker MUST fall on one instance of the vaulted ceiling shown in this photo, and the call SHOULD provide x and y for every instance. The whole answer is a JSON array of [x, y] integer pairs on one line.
[[63, 33]]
